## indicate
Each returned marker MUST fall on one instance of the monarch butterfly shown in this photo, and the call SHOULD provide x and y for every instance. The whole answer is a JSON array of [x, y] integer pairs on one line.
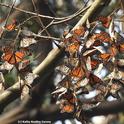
[[93, 79], [113, 50], [105, 21], [69, 96], [66, 83], [68, 101], [77, 72], [11, 56], [72, 48], [94, 64], [11, 26], [97, 43], [79, 31], [105, 56], [102, 36], [71, 39], [121, 48], [66, 107]]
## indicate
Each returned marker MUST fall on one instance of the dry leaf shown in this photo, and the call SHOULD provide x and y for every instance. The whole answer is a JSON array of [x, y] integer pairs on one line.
[[25, 42], [63, 69], [87, 52], [90, 42], [98, 70], [6, 66], [88, 63], [99, 48], [111, 31]]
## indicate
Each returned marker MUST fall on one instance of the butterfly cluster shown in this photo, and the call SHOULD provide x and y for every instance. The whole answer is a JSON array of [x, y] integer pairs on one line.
[[17, 50], [89, 52], [16, 55]]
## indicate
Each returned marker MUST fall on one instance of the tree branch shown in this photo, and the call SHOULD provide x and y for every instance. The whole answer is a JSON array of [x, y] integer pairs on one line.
[[40, 15], [105, 108]]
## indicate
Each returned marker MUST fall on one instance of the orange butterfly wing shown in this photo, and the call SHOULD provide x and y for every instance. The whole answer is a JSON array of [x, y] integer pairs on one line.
[[94, 63], [68, 108], [113, 50], [93, 79], [102, 36], [121, 48], [11, 26], [105, 21], [7, 57], [13, 57], [77, 72], [69, 104], [72, 48], [105, 56], [19, 56], [79, 31]]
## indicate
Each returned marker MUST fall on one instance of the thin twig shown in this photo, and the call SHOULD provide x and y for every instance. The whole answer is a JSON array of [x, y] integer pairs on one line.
[[46, 37], [53, 22], [9, 13], [22, 23], [33, 13], [42, 25], [46, 27], [72, 17]]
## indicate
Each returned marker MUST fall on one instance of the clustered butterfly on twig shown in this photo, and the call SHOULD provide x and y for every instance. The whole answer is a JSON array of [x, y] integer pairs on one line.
[[89, 52], [17, 54]]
